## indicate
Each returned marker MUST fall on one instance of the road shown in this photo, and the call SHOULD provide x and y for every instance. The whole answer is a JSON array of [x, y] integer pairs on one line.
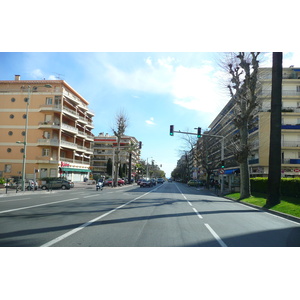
[[167, 215]]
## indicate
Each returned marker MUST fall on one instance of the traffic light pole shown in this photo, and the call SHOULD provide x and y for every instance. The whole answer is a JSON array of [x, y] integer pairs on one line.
[[212, 135]]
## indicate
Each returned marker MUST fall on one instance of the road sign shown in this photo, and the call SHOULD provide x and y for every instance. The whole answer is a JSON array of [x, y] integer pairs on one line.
[[221, 171]]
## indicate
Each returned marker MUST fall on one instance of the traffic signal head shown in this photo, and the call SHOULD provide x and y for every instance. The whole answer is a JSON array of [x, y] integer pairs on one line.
[[199, 132], [171, 130], [222, 164], [140, 145]]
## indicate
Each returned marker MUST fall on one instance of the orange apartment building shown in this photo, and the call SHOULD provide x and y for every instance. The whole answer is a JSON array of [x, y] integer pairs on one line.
[[59, 123]]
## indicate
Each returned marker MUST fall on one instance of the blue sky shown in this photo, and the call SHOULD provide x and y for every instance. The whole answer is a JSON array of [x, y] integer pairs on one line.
[[155, 90]]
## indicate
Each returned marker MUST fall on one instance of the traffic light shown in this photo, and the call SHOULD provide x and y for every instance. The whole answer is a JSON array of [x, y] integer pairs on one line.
[[199, 132], [140, 145], [222, 164], [171, 130]]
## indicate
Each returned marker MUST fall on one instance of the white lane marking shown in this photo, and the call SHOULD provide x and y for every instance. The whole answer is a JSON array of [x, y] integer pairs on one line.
[[195, 210], [91, 196], [62, 237], [181, 192], [44, 204], [219, 240], [189, 203]]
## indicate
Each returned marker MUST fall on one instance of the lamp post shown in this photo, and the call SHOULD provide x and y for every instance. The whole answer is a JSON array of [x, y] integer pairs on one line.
[[29, 90]]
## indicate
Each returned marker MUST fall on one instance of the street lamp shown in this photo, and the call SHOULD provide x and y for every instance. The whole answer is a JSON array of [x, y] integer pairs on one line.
[[29, 90]]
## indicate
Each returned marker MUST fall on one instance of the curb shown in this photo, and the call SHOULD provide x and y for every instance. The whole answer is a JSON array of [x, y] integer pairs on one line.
[[273, 212]]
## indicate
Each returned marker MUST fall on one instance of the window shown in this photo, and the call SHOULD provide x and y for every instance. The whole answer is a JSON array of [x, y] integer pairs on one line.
[[26, 99], [11, 116], [45, 152], [23, 133], [7, 168], [49, 101], [10, 133], [24, 116], [22, 150], [8, 150], [57, 100], [12, 99], [298, 88]]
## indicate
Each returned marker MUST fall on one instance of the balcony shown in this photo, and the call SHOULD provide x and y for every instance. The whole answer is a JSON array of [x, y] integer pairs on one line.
[[290, 126], [69, 128], [48, 142], [49, 124], [70, 112], [46, 107], [292, 144], [291, 161]]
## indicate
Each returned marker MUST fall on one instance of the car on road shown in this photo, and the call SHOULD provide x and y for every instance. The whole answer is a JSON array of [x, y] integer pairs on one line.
[[195, 182], [146, 183], [160, 180], [30, 185], [153, 181], [56, 184]]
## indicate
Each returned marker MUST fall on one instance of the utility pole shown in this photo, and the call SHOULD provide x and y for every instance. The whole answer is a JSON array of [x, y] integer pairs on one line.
[[199, 134], [274, 176]]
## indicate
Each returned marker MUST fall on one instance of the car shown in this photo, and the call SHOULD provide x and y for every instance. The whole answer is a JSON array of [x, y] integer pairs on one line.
[[160, 180], [30, 185], [195, 182], [153, 181], [146, 183], [108, 182], [139, 181], [56, 184], [170, 180], [121, 181]]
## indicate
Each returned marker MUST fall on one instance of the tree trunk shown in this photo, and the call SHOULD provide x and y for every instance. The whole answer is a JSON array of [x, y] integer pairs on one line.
[[129, 169], [244, 165], [274, 177]]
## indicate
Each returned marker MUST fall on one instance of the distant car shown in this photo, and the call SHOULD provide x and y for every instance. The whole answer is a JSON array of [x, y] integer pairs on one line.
[[160, 180], [108, 182], [153, 181], [146, 183], [139, 181], [194, 182], [30, 185], [121, 181], [170, 180], [56, 184]]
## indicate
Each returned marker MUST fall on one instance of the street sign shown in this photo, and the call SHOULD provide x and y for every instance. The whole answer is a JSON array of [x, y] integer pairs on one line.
[[221, 171]]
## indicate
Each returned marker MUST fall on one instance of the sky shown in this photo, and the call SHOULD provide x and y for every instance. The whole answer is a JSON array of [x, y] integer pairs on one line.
[[154, 90]]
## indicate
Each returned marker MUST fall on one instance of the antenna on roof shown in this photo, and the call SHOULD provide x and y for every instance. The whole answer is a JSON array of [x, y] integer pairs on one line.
[[58, 76]]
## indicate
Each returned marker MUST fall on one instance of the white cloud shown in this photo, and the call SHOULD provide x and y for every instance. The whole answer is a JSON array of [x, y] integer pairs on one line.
[[150, 121], [37, 74], [194, 88]]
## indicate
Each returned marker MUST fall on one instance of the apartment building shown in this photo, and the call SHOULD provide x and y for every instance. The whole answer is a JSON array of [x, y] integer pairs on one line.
[[259, 129], [104, 149], [51, 122]]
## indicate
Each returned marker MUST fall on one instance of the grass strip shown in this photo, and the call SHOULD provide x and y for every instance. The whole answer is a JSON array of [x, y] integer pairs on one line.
[[287, 205]]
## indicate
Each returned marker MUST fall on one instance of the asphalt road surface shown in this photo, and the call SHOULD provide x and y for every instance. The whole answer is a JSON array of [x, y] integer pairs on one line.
[[167, 215]]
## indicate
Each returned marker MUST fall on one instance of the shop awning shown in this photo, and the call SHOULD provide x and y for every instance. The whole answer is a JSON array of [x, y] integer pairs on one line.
[[232, 171], [75, 170]]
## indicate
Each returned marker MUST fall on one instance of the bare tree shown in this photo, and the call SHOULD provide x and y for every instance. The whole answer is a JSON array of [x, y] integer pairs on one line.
[[243, 70], [121, 123]]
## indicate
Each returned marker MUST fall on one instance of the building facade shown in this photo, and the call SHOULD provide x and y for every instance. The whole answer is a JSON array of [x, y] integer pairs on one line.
[[52, 122], [104, 149], [259, 129]]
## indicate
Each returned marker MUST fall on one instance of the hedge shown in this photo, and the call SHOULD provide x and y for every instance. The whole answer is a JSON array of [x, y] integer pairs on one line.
[[289, 186]]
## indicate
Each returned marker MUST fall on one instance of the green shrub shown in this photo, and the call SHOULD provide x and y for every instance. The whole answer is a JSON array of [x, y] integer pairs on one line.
[[288, 186]]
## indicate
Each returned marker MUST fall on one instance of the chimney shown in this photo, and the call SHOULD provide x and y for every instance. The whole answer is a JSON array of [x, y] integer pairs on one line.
[[17, 77]]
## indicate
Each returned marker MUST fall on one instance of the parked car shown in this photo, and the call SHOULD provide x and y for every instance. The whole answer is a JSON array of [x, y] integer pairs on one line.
[[146, 183], [160, 180], [108, 182], [30, 185], [194, 182], [56, 184], [153, 181], [121, 181], [139, 181]]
